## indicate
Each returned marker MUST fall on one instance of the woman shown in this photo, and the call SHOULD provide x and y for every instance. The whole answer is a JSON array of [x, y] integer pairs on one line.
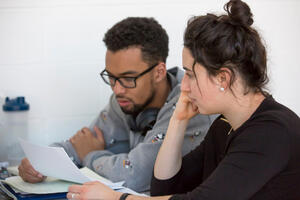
[[257, 156]]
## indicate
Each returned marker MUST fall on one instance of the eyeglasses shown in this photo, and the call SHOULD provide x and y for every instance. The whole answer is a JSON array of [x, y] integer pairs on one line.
[[126, 82]]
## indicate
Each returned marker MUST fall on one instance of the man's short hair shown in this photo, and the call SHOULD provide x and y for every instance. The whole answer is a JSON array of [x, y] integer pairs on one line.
[[142, 32]]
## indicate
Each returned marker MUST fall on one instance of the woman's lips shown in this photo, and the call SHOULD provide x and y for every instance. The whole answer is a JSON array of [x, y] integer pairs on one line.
[[193, 100]]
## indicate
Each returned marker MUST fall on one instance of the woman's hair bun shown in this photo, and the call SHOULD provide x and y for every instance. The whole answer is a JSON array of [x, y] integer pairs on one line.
[[239, 12]]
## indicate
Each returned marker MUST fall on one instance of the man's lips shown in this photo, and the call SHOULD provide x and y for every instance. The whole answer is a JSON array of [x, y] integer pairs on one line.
[[123, 102]]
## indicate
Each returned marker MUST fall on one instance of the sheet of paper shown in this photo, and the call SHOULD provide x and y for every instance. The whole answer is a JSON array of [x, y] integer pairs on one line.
[[53, 185], [50, 185], [95, 177], [52, 161]]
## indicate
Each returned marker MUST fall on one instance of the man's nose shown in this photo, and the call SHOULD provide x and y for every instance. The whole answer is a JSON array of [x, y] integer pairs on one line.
[[118, 88]]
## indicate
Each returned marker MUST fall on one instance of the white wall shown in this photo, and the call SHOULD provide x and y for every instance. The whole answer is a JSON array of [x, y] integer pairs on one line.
[[51, 51]]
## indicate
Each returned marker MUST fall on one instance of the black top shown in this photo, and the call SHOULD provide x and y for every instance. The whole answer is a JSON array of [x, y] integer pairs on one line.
[[261, 160]]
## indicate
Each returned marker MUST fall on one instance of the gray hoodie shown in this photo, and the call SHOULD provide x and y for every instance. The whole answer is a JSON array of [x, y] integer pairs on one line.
[[129, 155]]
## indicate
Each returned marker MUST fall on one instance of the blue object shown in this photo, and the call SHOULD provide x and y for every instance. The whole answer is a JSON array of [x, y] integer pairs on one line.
[[4, 173], [17, 104], [10, 192]]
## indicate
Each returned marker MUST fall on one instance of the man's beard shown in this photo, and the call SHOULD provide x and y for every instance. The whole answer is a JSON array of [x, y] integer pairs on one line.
[[137, 108]]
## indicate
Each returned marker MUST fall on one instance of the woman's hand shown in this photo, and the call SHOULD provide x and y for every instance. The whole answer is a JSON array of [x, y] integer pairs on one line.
[[185, 109], [92, 190]]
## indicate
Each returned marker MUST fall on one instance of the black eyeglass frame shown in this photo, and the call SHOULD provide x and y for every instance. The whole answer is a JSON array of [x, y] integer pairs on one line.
[[134, 78]]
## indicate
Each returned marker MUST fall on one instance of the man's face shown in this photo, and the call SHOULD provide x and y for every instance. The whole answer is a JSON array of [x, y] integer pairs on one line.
[[129, 63]]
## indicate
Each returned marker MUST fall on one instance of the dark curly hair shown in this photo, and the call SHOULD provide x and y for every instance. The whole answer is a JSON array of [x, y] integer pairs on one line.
[[142, 32], [229, 41]]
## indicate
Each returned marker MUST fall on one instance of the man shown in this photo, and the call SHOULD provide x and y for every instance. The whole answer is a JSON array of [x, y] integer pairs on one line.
[[123, 141]]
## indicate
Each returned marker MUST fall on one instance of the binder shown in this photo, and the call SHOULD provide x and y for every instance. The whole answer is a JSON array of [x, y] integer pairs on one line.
[[20, 196]]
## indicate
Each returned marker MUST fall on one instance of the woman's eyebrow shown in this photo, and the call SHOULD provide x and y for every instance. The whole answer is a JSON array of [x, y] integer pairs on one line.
[[186, 69]]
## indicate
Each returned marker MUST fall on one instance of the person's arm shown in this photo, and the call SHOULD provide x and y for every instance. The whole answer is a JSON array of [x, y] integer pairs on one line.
[[168, 161], [196, 165], [187, 178], [97, 190]]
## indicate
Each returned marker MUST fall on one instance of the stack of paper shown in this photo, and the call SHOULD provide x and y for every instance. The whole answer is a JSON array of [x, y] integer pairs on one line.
[[61, 172]]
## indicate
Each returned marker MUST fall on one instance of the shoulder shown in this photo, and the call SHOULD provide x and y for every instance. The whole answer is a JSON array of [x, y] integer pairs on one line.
[[262, 136], [270, 123], [271, 127], [271, 113]]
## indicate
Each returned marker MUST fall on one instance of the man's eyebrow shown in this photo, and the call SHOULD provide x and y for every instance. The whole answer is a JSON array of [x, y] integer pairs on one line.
[[123, 73], [128, 73]]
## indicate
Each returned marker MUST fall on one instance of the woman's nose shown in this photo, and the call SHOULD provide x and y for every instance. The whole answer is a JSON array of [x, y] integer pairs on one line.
[[185, 86]]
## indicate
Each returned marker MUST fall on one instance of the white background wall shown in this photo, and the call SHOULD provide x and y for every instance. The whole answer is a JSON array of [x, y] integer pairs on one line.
[[51, 52]]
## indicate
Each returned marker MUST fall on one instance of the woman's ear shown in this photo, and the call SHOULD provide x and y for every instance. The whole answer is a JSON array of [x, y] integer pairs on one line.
[[160, 72], [223, 79]]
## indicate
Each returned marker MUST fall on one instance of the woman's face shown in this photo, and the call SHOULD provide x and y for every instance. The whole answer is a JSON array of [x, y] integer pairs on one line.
[[200, 88]]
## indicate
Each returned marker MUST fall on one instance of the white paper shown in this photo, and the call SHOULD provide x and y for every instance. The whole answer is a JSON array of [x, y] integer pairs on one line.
[[96, 177], [52, 185], [52, 161]]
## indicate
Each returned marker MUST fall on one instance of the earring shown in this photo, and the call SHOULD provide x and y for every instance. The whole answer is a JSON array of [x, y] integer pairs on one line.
[[222, 89]]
